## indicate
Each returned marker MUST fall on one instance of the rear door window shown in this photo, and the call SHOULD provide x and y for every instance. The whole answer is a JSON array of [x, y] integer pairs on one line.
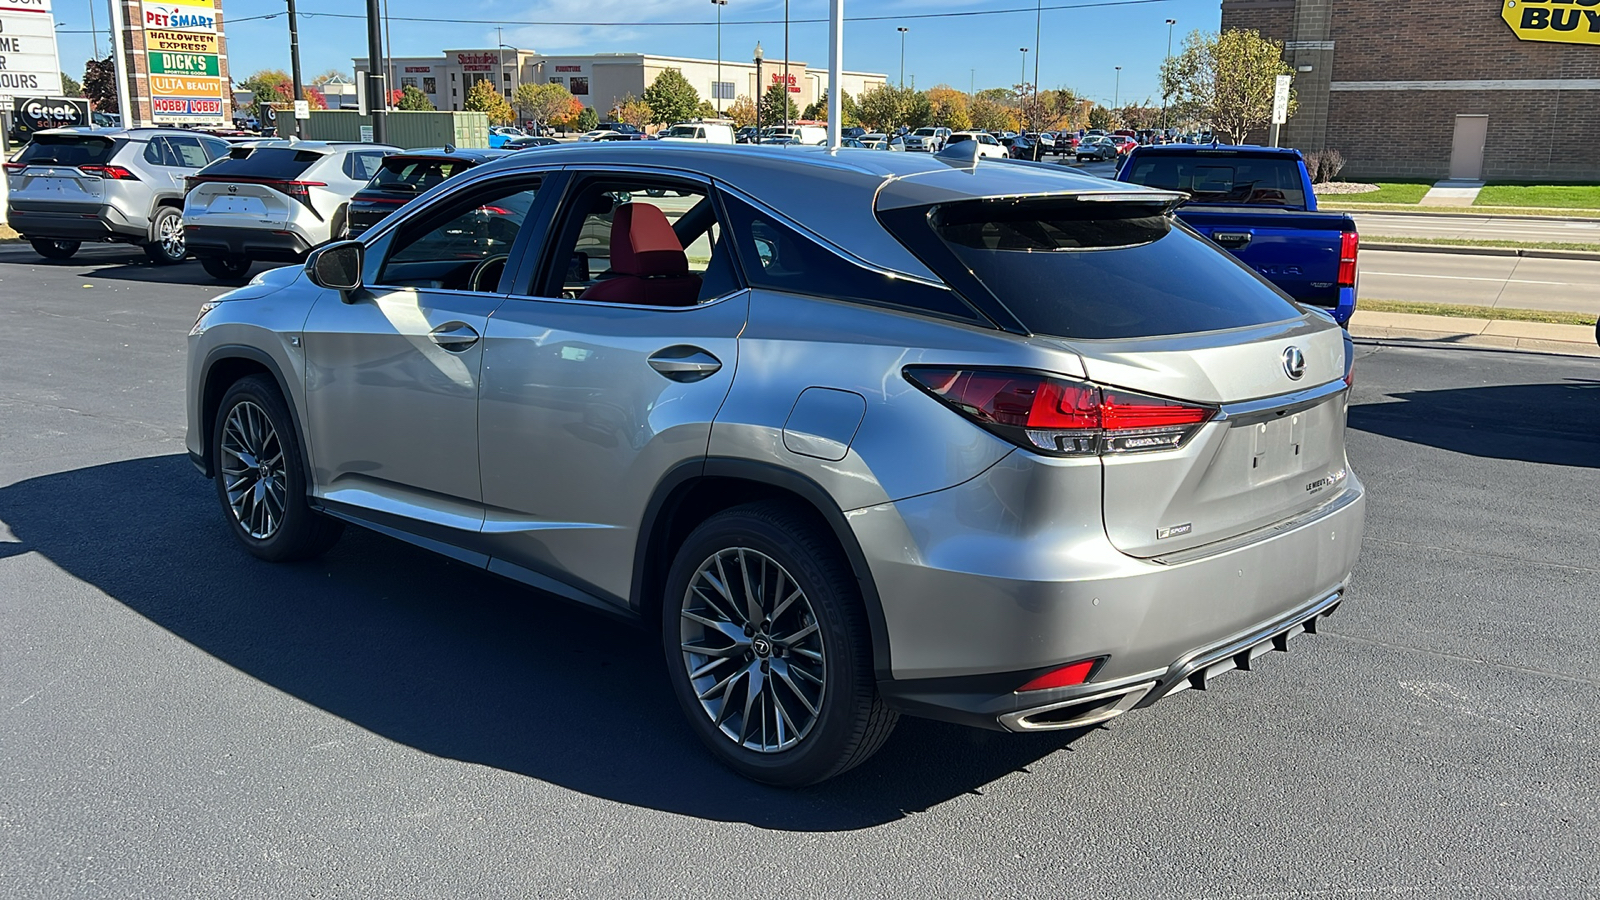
[[362, 166], [68, 150], [189, 152]]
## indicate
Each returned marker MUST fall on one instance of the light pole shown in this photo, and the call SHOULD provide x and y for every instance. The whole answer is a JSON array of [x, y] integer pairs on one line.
[[785, 66], [1165, 95], [902, 29], [516, 66], [717, 88], [500, 62], [759, 57], [1038, 23], [1023, 87], [1116, 94]]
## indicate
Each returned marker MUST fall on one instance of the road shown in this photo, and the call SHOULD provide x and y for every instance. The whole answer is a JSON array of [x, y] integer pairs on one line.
[[179, 720], [1481, 228]]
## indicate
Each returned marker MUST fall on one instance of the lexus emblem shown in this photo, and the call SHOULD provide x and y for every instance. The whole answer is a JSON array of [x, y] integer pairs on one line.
[[1294, 363]]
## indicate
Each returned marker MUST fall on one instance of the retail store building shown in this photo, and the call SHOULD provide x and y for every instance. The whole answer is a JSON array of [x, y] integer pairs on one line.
[[603, 80], [1503, 90]]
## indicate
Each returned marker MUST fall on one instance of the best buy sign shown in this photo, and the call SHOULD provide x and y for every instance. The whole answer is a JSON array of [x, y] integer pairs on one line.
[[1563, 21]]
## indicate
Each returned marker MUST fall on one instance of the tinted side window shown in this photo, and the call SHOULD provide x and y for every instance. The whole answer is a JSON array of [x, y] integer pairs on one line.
[[780, 258], [159, 152], [463, 242], [215, 149], [362, 166], [190, 154]]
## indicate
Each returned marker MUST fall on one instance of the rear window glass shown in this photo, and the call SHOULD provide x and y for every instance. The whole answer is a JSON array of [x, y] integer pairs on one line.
[[1093, 271], [1224, 179], [400, 175], [68, 150], [284, 163]]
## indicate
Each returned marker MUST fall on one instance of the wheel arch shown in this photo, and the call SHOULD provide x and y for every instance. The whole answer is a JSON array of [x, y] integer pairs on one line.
[[693, 492], [226, 365]]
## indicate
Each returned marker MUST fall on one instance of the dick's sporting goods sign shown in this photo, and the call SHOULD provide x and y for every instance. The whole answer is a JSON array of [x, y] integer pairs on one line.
[[1561, 21]]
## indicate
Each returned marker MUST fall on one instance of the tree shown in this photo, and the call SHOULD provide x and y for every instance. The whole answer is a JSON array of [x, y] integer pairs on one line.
[[1140, 116], [742, 111], [100, 84], [70, 87], [1225, 80], [634, 111], [949, 107], [706, 110], [777, 105], [542, 103], [989, 114], [267, 86], [586, 120], [484, 97], [413, 99], [315, 99], [885, 107], [1100, 117], [671, 98]]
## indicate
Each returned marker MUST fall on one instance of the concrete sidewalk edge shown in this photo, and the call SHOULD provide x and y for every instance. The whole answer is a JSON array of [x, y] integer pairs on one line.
[[1468, 250], [1570, 340], [1441, 213]]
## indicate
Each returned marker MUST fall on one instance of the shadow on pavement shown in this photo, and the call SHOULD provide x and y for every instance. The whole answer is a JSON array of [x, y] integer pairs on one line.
[[186, 272], [1551, 423], [453, 662]]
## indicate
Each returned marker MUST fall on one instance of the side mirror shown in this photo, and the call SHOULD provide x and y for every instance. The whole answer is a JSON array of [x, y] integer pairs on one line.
[[337, 266]]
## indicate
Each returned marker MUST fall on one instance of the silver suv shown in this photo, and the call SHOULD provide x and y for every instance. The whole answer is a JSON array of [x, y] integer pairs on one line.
[[860, 433], [275, 200], [72, 185]]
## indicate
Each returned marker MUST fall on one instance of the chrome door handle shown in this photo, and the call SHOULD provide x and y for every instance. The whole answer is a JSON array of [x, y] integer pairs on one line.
[[685, 363], [454, 336]]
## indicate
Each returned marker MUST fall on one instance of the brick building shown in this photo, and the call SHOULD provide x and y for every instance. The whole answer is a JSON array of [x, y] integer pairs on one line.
[[1435, 89]]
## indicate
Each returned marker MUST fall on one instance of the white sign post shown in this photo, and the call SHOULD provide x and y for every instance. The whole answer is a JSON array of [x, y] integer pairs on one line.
[[302, 109], [29, 64], [1280, 105]]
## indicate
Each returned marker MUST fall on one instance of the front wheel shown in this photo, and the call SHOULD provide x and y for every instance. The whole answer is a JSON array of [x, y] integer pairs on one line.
[[55, 249], [768, 648], [226, 268]]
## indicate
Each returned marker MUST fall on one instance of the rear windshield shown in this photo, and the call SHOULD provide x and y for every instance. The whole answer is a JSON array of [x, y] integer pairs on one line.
[[413, 176], [1092, 271], [68, 150], [1273, 181], [277, 163]]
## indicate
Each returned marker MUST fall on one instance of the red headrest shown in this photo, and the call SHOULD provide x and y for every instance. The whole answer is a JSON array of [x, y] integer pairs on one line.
[[643, 243]]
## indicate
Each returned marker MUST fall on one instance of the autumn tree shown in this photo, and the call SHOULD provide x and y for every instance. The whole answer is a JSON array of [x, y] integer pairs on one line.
[[1100, 117], [1225, 80], [949, 107], [267, 86], [330, 75], [671, 98], [634, 111], [100, 84], [412, 99], [1140, 116], [989, 114], [542, 103], [484, 97], [742, 111], [886, 107]]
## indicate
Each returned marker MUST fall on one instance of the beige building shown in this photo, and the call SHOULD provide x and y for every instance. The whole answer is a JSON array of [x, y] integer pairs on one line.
[[602, 80]]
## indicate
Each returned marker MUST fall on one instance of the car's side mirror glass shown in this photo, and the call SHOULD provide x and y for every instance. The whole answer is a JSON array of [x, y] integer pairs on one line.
[[338, 266]]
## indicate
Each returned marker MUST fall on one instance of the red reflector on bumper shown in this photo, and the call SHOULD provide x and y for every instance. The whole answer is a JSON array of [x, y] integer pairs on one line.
[[1066, 676]]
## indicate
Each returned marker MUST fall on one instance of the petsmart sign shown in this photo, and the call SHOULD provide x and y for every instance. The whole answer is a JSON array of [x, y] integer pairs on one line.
[[1560, 21], [29, 66], [185, 71]]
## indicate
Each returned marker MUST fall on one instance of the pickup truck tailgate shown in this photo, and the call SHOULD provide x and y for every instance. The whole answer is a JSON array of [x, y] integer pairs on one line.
[[1296, 250]]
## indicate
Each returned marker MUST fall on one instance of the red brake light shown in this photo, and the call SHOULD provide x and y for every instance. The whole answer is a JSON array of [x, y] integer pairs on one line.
[[295, 188], [15, 166], [115, 173], [1061, 416], [1066, 676], [1349, 242]]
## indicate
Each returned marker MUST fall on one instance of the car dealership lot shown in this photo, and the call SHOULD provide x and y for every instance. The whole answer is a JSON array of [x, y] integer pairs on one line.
[[179, 720]]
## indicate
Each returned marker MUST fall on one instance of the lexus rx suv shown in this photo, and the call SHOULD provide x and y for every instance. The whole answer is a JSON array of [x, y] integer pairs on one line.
[[75, 185], [828, 422]]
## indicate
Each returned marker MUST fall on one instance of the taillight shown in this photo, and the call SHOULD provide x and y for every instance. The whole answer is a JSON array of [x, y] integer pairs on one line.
[[296, 189], [15, 166], [1065, 676], [1349, 242], [115, 173], [1060, 416]]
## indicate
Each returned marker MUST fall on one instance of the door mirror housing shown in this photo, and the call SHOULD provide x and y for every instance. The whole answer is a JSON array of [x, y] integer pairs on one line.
[[337, 266]]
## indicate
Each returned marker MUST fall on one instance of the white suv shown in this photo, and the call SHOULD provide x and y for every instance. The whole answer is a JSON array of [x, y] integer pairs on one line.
[[274, 200], [987, 145], [931, 139]]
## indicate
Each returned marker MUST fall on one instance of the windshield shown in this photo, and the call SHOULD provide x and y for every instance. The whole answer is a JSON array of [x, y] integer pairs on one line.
[[925, 132], [68, 150], [1225, 178]]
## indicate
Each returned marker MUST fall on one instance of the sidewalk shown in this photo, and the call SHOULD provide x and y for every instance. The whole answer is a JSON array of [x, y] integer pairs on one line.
[[1572, 340]]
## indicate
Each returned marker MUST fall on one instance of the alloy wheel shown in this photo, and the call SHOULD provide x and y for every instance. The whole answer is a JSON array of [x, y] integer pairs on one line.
[[171, 237], [752, 646], [253, 470]]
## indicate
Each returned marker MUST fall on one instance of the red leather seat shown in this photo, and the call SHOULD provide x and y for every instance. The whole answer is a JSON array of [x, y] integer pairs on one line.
[[648, 265]]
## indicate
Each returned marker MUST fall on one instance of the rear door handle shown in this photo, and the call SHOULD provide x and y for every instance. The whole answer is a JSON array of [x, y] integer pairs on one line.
[[685, 363], [454, 336]]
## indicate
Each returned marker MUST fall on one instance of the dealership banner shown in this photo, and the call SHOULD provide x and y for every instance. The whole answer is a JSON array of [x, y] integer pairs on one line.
[[183, 63], [29, 64], [1559, 21]]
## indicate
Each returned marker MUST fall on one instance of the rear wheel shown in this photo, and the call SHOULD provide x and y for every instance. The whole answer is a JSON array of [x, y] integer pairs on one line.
[[169, 246], [54, 249], [260, 479], [226, 268], [768, 648]]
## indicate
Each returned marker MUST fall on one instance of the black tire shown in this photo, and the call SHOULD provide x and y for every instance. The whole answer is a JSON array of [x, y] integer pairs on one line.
[[227, 268], [296, 531], [851, 720], [55, 249], [339, 228], [167, 249]]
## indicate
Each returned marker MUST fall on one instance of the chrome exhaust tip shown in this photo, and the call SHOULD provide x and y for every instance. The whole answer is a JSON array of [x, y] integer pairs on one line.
[[1078, 712]]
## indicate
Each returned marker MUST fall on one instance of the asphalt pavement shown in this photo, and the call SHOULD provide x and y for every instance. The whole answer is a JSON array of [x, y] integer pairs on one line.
[[1497, 281], [1478, 228], [180, 720]]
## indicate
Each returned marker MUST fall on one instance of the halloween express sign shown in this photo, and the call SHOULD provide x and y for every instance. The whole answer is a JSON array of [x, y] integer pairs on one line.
[[1561, 21]]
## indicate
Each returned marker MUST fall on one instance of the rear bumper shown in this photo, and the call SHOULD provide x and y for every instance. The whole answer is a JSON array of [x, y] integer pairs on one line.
[[256, 243], [972, 614], [102, 222]]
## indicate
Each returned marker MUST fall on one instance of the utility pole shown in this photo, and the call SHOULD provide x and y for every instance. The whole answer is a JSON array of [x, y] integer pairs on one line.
[[835, 73], [94, 31], [902, 29], [1165, 96], [374, 87], [500, 61], [294, 54], [388, 59], [717, 88], [1038, 24], [785, 66]]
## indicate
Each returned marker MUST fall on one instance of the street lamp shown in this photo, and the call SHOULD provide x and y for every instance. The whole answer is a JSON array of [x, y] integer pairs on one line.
[[1165, 95], [902, 29], [1024, 85], [759, 57], [1038, 23], [516, 66], [716, 89], [1116, 95]]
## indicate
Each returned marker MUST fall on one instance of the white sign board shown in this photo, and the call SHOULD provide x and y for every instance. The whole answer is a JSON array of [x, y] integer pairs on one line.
[[1280, 100], [366, 134], [302, 109], [29, 65]]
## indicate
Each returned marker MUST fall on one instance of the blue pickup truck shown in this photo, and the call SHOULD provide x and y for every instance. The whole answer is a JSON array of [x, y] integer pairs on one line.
[[1257, 203]]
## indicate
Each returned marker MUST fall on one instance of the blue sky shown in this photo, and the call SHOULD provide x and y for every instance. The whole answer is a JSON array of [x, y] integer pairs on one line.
[[1082, 46]]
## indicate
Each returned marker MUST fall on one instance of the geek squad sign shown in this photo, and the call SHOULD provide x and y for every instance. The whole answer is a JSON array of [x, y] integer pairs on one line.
[[1561, 21]]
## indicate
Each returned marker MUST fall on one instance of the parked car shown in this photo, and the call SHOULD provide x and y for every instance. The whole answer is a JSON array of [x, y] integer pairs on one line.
[[812, 135], [877, 140], [988, 146], [274, 200], [745, 135], [1097, 147], [596, 134], [67, 187], [700, 133], [930, 139], [1257, 203], [1057, 512], [402, 176], [1022, 147], [1124, 143], [523, 143]]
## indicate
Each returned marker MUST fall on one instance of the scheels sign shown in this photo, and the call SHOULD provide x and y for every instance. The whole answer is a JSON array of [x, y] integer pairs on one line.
[[1561, 21]]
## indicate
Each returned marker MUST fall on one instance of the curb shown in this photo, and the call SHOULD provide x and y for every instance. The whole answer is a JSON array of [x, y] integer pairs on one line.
[[1467, 250], [1457, 215]]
